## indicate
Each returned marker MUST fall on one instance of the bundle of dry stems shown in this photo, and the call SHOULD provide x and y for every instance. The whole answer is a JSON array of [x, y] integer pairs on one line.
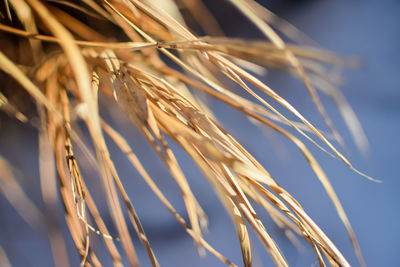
[[69, 54]]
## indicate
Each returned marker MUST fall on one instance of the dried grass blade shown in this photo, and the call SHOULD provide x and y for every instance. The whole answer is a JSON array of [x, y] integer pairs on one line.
[[96, 7], [288, 106], [240, 225], [73, 54], [72, 214], [84, 196], [204, 17], [246, 9], [25, 15], [16, 196], [66, 192], [184, 137], [321, 176], [230, 98], [127, 94], [9, 67], [80, 71], [262, 87], [242, 232], [115, 208], [309, 158], [284, 26], [75, 25], [83, 80], [305, 230], [221, 186], [132, 46], [280, 220], [49, 193], [265, 178], [74, 221], [124, 146], [132, 213], [316, 232], [11, 110], [77, 7], [162, 17], [225, 194], [348, 114], [325, 182], [4, 261], [7, 5], [164, 107]]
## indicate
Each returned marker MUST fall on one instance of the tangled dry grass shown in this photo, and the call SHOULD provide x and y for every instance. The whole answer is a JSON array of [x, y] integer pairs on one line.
[[68, 55]]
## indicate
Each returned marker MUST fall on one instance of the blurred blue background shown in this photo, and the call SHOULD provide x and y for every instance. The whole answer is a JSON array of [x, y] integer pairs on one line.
[[367, 29]]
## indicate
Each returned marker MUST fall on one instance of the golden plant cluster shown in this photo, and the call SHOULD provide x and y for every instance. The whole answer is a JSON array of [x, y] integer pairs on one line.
[[69, 54]]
